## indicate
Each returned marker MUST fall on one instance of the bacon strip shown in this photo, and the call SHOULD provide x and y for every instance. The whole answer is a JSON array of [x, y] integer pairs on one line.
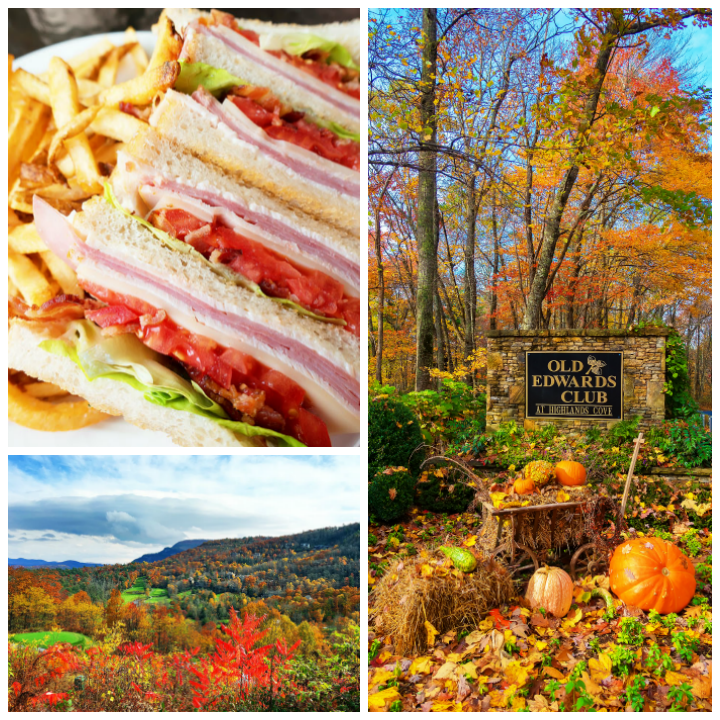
[[273, 148], [247, 49]]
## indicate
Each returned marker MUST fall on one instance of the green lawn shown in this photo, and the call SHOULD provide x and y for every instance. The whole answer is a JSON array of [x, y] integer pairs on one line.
[[46, 639], [137, 591]]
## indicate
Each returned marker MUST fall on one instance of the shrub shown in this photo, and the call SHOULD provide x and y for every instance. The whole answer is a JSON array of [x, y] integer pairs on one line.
[[390, 494], [393, 435], [686, 440], [443, 490], [679, 403]]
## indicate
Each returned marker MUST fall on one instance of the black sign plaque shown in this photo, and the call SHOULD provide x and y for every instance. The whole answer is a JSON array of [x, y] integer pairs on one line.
[[580, 385]]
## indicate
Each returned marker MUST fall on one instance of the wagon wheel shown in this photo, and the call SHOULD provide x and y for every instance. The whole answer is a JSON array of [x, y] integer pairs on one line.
[[588, 559], [516, 557]]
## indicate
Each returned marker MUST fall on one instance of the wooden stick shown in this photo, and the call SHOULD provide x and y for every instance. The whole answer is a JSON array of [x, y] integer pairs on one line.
[[638, 442]]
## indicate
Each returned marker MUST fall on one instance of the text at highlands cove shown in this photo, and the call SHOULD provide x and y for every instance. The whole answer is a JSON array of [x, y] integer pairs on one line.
[[585, 385]]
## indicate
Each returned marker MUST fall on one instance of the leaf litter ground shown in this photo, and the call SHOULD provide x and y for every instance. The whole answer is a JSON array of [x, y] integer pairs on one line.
[[520, 660]]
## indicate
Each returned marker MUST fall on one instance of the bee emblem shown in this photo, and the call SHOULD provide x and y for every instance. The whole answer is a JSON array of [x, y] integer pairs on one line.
[[596, 366]]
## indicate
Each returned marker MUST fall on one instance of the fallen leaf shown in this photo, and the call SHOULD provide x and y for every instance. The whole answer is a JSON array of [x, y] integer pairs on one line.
[[675, 678], [601, 668], [378, 700], [421, 665], [382, 676], [553, 673], [470, 541], [426, 570], [447, 707], [446, 672], [573, 619], [431, 634]]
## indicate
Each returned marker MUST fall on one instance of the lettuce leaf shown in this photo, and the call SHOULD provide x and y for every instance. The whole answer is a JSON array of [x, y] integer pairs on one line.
[[218, 268], [298, 43], [215, 80], [339, 130], [124, 358]]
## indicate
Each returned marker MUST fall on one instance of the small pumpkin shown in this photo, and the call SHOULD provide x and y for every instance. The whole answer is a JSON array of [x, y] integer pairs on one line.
[[652, 574], [550, 588], [570, 473], [524, 486], [540, 472], [462, 559]]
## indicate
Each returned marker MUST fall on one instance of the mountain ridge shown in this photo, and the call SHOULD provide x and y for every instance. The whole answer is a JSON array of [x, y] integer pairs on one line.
[[64, 564]]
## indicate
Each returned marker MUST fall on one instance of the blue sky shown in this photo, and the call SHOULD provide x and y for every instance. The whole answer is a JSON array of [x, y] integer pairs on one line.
[[699, 47], [104, 508]]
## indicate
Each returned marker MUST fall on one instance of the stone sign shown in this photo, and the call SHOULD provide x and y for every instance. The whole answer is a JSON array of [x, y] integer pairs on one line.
[[575, 379], [571, 384]]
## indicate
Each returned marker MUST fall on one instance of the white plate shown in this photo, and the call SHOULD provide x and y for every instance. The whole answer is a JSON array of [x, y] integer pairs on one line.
[[113, 432]]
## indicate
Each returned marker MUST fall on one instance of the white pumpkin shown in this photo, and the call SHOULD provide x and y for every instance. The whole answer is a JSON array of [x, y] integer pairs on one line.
[[550, 588]]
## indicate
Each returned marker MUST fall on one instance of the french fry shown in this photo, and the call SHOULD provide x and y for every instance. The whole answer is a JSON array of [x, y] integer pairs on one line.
[[32, 284], [32, 86], [65, 102], [86, 168], [62, 273], [141, 90], [24, 135], [65, 165], [117, 125], [25, 239], [39, 414], [43, 390], [138, 53], [76, 126], [64, 96], [63, 192], [167, 45], [109, 68], [88, 91]]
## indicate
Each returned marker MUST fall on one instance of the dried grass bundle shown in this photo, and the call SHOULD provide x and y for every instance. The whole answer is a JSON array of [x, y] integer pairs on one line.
[[406, 597]]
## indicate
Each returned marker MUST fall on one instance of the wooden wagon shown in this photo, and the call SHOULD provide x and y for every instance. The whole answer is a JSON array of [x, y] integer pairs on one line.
[[573, 525]]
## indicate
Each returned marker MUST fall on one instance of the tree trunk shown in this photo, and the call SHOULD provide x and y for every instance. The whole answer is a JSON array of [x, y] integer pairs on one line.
[[551, 233], [440, 348], [426, 243], [469, 289], [495, 269], [381, 283]]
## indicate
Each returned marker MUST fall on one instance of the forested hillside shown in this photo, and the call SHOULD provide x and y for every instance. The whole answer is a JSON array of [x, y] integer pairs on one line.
[[299, 593]]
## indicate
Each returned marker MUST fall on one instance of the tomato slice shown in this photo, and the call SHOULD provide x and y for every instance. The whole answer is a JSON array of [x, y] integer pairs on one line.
[[227, 367], [310, 430], [320, 141], [277, 277]]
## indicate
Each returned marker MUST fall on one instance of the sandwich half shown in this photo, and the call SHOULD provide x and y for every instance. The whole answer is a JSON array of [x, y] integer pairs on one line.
[[210, 357], [312, 68]]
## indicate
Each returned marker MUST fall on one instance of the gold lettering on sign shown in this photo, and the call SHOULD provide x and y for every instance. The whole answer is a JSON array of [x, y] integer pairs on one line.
[[537, 380]]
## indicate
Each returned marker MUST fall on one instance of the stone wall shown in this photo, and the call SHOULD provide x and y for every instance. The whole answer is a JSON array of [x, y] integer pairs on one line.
[[643, 372]]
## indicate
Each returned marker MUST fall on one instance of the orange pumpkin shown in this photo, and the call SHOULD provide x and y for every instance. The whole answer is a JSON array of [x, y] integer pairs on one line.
[[570, 473], [652, 574], [551, 588], [523, 486]]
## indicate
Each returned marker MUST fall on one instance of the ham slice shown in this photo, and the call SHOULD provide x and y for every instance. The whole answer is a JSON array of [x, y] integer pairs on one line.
[[244, 47], [250, 133], [270, 223], [55, 230], [341, 383]]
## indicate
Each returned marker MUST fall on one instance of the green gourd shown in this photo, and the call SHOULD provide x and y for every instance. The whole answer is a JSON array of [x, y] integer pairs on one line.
[[462, 559]]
